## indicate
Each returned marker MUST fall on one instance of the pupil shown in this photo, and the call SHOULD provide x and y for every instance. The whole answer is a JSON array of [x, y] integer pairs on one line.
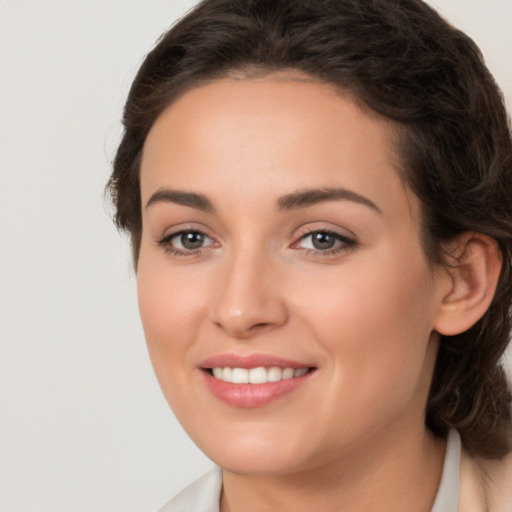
[[323, 241], [192, 240]]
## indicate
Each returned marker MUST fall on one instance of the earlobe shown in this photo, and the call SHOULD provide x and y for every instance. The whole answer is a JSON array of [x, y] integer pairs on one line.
[[470, 281]]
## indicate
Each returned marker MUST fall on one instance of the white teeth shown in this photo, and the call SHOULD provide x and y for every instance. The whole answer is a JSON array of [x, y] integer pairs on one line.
[[260, 375], [226, 374], [240, 376], [287, 373], [274, 374]]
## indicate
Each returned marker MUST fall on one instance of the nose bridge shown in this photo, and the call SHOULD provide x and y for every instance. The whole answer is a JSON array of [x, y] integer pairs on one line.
[[249, 298]]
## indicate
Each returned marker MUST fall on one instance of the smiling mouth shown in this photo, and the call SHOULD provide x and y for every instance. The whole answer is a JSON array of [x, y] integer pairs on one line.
[[259, 375]]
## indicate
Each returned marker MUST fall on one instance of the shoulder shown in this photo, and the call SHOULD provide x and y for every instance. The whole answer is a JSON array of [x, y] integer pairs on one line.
[[201, 496], [486, 485]]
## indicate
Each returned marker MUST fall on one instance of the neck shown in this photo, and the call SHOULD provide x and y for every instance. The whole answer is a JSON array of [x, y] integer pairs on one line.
[[399, 472]]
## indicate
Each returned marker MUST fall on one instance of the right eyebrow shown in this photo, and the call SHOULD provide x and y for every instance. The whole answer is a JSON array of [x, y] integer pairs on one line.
[[190, 199]]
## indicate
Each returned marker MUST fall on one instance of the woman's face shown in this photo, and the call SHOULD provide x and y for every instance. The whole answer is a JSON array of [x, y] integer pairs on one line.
[[280, 243]]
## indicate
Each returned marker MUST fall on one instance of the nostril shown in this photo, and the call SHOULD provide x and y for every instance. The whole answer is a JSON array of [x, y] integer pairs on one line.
[[262, 324]]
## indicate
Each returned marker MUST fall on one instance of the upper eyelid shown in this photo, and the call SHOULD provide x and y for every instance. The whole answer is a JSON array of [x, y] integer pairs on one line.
[[337, 231], [343, 235], [328, 231], [165, 243], [339, 236], [184, 228], [169, 236], [345, 242]]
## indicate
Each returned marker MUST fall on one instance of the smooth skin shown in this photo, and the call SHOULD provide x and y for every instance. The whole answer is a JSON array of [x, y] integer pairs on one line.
[[238, 255]]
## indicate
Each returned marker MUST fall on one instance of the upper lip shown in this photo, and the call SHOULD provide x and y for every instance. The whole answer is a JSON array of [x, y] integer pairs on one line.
[[247, 361]]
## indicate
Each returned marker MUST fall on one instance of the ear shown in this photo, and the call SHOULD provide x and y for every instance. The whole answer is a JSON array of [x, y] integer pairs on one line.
[[469, 283]]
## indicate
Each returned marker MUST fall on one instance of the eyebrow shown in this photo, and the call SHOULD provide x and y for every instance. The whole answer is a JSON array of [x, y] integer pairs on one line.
[[293, 201], [190, 199], [310, 197]]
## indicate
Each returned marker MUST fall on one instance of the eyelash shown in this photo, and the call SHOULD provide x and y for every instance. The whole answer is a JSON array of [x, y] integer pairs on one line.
[[165, 242], [345, 243]]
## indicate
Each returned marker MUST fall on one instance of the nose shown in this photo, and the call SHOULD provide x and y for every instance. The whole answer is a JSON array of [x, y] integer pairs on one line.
[[250, 297]]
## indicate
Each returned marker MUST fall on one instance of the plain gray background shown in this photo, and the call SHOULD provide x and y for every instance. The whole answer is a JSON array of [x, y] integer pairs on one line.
[[83, 424]]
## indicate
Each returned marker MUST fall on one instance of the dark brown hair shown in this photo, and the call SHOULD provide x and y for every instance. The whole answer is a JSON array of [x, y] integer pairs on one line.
[[408, 64]]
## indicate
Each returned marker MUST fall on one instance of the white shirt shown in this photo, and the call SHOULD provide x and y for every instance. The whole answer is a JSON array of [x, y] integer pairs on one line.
[[204, 494]]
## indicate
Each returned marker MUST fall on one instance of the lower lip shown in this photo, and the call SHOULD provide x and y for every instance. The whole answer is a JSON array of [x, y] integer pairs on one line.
[[252, 395]]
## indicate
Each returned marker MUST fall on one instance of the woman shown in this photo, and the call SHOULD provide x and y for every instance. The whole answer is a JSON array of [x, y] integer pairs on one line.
[[318, 195]]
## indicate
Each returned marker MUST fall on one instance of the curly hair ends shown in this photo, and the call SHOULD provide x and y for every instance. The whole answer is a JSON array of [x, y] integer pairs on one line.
[[409, 65]]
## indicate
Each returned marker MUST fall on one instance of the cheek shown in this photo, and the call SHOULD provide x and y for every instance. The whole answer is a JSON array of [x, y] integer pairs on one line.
[[169, 306], [375, 325]]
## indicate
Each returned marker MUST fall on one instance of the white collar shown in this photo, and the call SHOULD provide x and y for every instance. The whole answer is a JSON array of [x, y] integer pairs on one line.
[[204, 494], [447, 499]]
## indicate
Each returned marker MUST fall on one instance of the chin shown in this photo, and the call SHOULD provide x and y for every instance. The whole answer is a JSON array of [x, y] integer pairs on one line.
[[258, 463], [255, 452], [278, 454]]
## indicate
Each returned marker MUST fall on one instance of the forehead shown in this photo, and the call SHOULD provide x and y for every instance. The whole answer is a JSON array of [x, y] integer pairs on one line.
[[274, 132], [251, 99]]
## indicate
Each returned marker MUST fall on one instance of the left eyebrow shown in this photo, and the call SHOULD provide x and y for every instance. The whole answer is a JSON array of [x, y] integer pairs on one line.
[[310, 197]]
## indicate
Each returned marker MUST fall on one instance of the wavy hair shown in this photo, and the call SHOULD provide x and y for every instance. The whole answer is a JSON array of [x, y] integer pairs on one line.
[[407, 63]]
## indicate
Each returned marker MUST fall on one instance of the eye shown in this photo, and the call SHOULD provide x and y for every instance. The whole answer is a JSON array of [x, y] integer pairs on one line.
[[326, 242], [320, 240], [185, 242], [189, 240]]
